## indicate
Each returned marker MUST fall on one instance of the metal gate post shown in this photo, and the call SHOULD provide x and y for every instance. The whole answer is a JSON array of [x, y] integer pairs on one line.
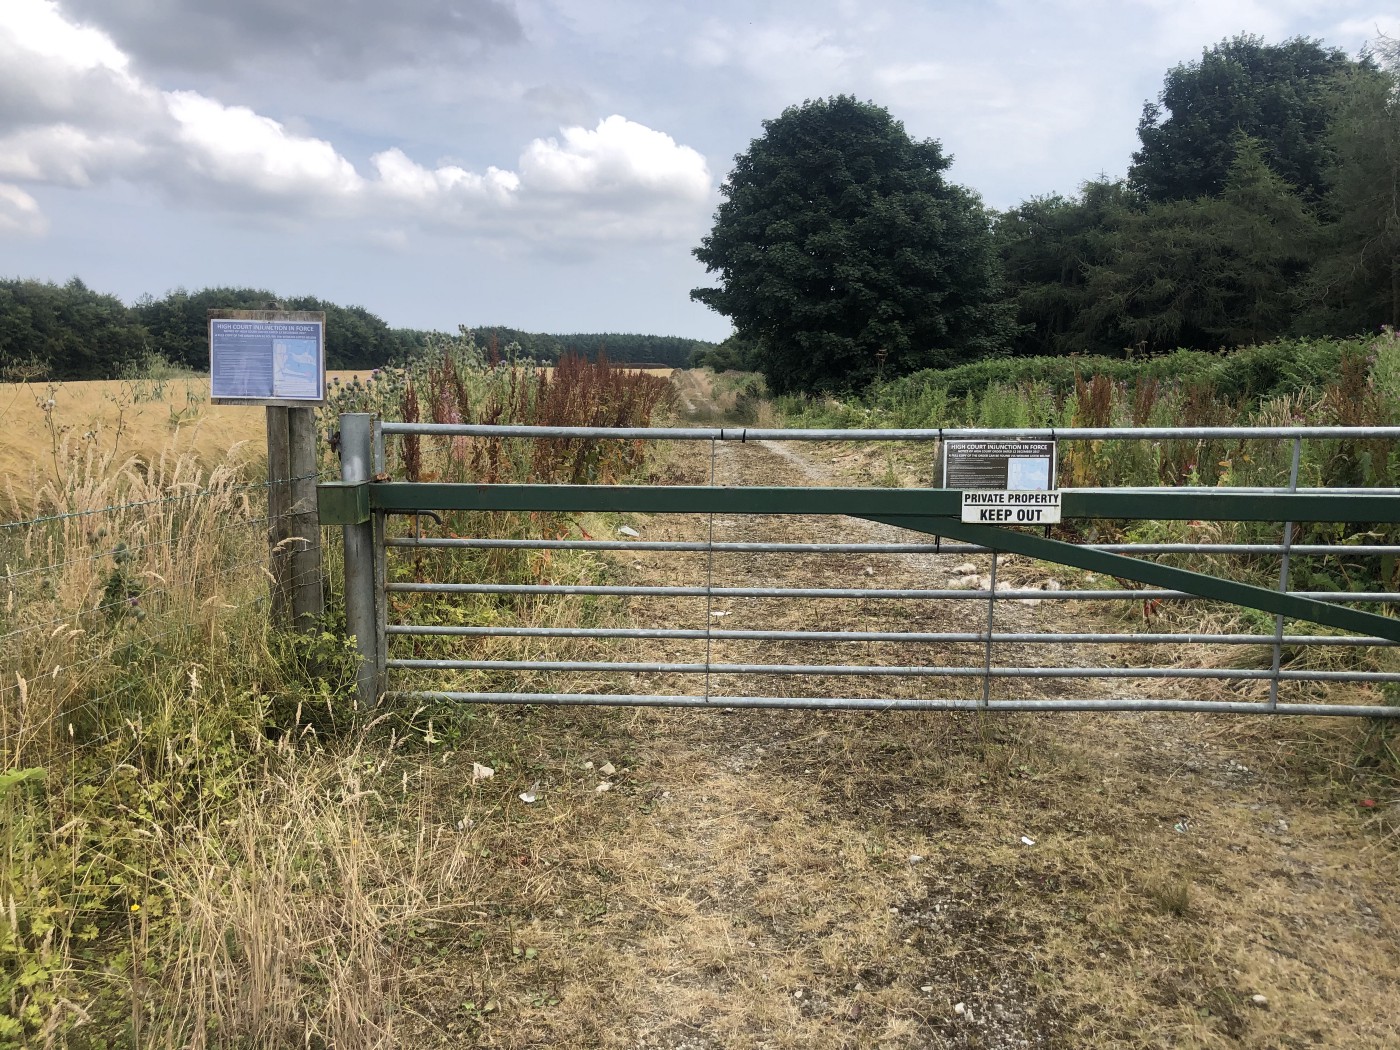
[[360, 616], [381, 561]]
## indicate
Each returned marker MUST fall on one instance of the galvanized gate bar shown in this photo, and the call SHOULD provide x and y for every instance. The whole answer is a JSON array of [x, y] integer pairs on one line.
[[924, 434], [1026, 638], [1294, 605], [1167, 504], [769, 592], [894, 670], [858, 703], [1331, 550], [1021, 594]]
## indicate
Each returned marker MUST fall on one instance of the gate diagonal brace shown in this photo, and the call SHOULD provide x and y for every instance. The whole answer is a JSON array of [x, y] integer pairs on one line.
[[1212, 587]]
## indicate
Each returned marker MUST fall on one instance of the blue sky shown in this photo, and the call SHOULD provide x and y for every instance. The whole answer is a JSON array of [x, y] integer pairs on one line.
[[546, 164]]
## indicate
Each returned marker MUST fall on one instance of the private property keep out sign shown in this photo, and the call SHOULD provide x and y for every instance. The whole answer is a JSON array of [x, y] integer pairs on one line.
[[1011, 507]]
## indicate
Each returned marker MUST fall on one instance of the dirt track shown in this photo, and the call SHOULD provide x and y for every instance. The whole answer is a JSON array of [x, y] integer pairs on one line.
[[801, 879]]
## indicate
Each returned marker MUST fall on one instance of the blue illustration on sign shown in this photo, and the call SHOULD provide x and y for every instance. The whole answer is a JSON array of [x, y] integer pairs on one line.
[[1027, 473], [266, 359]]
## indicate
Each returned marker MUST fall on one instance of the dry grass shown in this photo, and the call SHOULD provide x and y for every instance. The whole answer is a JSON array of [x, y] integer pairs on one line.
[[130, 548], [116, 420], [749, 879], [306, 910]]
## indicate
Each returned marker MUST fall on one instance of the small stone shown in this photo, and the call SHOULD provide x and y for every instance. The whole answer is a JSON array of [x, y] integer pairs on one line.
[[915, 858], [797, 994], [604, 786], [1261, 1001], [607, 769], [960, 1009], [926, 988], [588, 765]]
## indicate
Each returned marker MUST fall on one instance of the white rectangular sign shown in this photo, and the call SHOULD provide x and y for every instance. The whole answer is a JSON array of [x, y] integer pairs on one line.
[[998, 507], [268, 359]]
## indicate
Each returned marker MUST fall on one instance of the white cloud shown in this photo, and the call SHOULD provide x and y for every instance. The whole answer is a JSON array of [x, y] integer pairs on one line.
[[46, 34], [1365, 30], [63, 155], [956, 89], [234, 145], [1179, 32], [772, 51], [54, 72], [405, 179], [19, 214], [77, 116], [620, 156]]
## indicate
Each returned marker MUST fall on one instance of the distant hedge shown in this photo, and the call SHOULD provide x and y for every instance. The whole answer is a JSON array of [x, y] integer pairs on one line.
[[1268, 370]]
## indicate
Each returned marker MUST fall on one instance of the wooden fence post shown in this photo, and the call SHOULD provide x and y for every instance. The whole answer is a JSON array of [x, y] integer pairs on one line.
[[279, 502], [308, 595]]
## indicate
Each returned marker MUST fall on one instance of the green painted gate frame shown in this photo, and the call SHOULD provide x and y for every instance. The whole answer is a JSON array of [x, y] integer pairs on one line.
[[936, 512]]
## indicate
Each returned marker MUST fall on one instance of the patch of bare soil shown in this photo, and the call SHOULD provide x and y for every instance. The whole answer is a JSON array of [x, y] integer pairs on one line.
[[835, 879]]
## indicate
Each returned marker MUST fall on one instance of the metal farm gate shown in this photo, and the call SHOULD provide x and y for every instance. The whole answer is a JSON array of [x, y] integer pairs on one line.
[[1276, 668]]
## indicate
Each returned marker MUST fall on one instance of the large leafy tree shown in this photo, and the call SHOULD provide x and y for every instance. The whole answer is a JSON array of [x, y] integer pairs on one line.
[[1048, 245], [1275, 93], [1209, 272], [1268, 236], [843, 254], [1356, 283]]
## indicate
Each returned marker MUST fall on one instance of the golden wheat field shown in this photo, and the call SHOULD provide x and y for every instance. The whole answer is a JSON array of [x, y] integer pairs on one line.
[[123, 418], [116, 419]]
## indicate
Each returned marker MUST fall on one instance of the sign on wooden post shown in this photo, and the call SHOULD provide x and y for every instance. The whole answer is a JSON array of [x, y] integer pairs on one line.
[[277, 358]]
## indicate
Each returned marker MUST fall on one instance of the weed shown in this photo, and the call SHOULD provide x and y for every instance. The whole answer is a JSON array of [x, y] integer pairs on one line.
[[1170, 896]]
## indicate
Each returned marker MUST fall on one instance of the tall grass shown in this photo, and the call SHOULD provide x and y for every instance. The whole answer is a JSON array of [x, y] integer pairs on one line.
[[120, 709], [455, 382], [196, 847]]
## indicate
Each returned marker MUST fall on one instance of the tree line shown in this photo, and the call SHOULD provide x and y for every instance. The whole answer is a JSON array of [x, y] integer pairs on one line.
[[1262, 202], [71, 332], [668, 351]]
